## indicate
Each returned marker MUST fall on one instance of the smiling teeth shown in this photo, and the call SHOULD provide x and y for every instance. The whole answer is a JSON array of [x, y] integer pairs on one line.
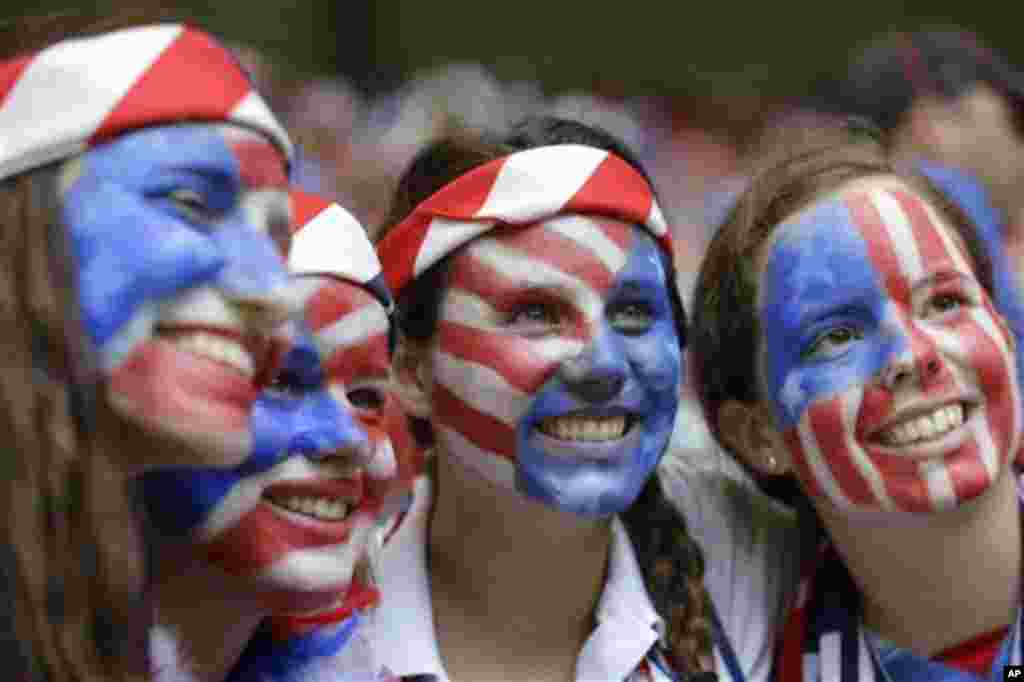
[[926, 427], [317, 507], [217, 348], [584, 428]]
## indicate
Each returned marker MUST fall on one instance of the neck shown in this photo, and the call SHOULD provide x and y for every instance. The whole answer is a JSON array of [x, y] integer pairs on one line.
[[503, 565], [205, 612], [961, 568]]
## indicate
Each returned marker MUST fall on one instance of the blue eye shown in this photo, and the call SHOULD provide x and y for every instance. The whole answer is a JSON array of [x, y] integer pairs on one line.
[[946, 302], [833, 342]]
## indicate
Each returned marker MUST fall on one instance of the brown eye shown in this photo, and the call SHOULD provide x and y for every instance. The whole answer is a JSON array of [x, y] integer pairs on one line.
[[833, 342], [631, 318], [366, 398], [945, 303]]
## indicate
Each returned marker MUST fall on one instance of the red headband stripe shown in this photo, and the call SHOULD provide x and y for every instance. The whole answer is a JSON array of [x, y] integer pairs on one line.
[[519, 189], [55, 103]]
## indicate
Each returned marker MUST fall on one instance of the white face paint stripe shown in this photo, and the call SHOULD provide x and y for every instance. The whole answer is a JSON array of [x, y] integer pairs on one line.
[[850, 401], [935, 474], [491, 466], [481, 387], [467, 309], [587, 234], [955, 252], [901, 236], [357, 326], [529, 272], [329, 564], [986, 448], [818, 466], [984, 320]]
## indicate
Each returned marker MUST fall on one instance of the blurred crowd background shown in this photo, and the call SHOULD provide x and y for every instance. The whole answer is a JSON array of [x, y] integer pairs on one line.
[[692, 87]]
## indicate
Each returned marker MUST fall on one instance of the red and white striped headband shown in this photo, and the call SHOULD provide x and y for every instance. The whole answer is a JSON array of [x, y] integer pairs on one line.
[[519, 189], [328, 240], [58, 102]]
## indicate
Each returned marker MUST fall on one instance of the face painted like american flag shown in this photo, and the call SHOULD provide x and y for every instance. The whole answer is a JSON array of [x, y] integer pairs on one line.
[[296, 518], [556, 363], [888, 369]]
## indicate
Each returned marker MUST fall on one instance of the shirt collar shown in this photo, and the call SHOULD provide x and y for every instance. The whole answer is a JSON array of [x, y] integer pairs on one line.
[[402, 629]]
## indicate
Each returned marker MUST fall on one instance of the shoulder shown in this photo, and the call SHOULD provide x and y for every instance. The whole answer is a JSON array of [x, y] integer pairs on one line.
[[750, 544]]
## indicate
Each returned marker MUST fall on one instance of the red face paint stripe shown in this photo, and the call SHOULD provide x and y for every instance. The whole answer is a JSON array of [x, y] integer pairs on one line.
[[512, 357], [967, 471], [994, 380], [615, 188], [481, 429], [903, 482], [365, 360], [268, 538], [333, 301], [926, 355], [260, 164], [879, 245], [207, 93], [560, 252], [929, 243], [803, 468], [826, 423], [618, 233]]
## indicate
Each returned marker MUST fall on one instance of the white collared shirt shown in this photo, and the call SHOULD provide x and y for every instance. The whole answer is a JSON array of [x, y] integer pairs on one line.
[[400, 635]]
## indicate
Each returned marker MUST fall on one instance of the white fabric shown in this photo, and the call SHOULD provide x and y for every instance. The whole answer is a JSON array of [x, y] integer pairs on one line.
[[751, 551], [333, 242], [400, 634]]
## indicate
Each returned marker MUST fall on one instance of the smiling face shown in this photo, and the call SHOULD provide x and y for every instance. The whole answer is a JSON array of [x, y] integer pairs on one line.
[[295, 518], [179, 234], [556, 364], [887, 368]]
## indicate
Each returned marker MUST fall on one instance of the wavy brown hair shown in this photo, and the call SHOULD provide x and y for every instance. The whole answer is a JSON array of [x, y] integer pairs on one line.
[[73, 549], [671, 561], [801, 165]]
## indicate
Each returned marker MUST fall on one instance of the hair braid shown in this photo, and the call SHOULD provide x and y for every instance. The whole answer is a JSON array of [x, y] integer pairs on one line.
[[673, 567]]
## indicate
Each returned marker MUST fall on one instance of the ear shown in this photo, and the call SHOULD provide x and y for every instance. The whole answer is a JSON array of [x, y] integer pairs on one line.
[[412, 377], [750, 433]]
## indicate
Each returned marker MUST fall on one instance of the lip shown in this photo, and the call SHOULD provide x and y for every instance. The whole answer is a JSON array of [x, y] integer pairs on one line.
[[352, 491], [260, 347], [596, 450], [918, 409], [947, 444]]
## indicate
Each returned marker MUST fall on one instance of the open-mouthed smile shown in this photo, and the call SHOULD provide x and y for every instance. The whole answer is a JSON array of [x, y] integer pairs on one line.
[[223, 346], [586, 427], [331, 501]]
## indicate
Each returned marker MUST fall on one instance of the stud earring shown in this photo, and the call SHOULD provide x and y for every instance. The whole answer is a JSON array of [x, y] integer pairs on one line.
[[770, 463]]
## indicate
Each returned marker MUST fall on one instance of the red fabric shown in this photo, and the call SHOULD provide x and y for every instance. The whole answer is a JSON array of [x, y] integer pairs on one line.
[[976, 654], [10, 72]]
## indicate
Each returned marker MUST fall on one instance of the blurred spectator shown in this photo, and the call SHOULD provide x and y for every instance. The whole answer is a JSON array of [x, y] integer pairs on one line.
[[943, 95]]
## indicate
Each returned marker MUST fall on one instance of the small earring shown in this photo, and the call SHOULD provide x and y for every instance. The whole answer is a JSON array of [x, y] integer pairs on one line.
[[770, 463]]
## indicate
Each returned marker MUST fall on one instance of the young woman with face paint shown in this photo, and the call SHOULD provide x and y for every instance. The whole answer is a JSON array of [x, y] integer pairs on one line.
[[283, 533], [540, 336], [846, 337], [142, 278]]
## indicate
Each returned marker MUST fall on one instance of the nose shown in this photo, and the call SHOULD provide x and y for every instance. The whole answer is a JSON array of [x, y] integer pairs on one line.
[[596, 375], [344, 439], [255, 277], [917, 365]]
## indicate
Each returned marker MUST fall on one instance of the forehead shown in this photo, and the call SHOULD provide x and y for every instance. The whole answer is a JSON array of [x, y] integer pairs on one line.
[[564, 251], [350, 328], [222, 147], [878, 230]]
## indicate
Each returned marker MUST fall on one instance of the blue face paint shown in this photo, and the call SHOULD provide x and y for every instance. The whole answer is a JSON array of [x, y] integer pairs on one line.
[[819, 277], [647, 363], [269, 660], [295, 418], [155, 213]]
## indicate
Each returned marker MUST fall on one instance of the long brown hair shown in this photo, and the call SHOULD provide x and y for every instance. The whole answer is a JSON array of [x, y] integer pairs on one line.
[[803, 164], [671, 561], [72, 555]]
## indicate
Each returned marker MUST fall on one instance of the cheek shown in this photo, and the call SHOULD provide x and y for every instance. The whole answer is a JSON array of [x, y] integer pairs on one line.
[[658, 364], [467, 355]]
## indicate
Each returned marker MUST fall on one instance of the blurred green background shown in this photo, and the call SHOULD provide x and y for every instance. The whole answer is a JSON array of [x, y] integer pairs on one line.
[[717, 49]]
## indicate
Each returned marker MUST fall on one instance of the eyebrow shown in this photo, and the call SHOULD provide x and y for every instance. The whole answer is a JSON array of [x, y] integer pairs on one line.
[[942, 276]]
